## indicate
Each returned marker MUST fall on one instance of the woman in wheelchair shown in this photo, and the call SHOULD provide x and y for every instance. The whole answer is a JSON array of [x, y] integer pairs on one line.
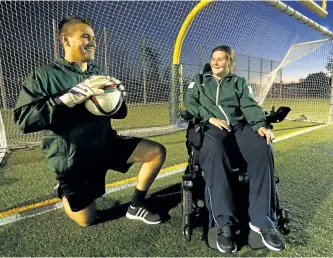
[[225, 102]]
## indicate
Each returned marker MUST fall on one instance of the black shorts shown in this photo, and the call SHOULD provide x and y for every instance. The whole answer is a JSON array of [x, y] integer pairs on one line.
[[82, 186]]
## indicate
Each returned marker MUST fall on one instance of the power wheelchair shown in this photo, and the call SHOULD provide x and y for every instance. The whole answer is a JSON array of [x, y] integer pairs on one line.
[[193, 183]]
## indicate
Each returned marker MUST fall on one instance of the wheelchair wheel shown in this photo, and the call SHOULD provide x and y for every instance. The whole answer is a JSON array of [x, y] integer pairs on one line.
[[187, 204], [187, 210], [284, 227], [188, 233], [283, 221]]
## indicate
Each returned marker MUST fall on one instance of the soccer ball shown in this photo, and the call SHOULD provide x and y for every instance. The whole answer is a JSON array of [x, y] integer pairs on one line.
[[105, 104]]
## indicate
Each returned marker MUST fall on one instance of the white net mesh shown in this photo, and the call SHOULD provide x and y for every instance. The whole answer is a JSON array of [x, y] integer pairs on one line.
[[139, 45], [259, 34], [306, 82], [135, 44]]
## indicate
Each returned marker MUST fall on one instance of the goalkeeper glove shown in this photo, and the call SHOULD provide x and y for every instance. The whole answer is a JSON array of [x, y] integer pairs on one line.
[[84, 90], [120, 86]]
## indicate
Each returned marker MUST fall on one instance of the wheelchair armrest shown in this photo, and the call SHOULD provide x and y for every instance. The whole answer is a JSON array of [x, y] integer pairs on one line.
[[272, 117], [278, 115]]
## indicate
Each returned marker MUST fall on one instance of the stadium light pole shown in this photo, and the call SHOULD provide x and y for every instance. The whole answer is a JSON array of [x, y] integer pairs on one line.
[[2, 90], [3, 140], [105, 36], [144, 67], [176, 94], [330, 111], [200, 59], [55, 42]]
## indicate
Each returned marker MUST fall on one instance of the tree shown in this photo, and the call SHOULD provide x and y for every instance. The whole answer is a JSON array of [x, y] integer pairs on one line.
[[315, 77], [312, 81], [150, 74]]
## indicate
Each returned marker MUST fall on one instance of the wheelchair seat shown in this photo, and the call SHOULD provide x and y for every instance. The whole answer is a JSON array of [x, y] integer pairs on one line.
[[194, 140]]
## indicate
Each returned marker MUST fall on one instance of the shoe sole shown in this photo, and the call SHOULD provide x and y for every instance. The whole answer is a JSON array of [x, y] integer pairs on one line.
[[253, 228], [223, 251], [130, 216]]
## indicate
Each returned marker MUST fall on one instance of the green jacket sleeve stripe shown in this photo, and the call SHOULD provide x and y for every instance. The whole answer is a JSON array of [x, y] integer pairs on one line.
[[253, 113], [193, 106]]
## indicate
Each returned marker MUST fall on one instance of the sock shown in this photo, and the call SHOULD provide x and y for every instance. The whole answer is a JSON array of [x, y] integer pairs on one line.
[[138, 198]]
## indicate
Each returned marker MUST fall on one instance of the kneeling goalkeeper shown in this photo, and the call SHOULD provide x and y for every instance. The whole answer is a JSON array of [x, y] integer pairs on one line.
[[79, 146]]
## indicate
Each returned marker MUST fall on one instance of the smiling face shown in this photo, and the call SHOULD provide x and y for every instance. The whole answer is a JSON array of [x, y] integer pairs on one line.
[[79, 43], [220, 64]]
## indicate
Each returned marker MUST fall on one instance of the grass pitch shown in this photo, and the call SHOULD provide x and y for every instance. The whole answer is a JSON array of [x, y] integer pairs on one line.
[[303, 164]]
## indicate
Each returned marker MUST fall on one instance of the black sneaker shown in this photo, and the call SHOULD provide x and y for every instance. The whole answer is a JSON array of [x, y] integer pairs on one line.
[[142, 213], [225, 239], [271, 238]]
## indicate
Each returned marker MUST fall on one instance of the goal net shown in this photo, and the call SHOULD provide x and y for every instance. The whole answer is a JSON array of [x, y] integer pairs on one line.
[[135, 41], [286, 62], [306, 83]]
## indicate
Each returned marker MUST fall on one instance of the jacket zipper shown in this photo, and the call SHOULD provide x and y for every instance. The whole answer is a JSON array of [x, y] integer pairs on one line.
[[217, 101]]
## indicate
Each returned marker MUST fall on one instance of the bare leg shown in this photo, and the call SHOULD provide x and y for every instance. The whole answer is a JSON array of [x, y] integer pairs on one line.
[[152, 155], [83, 217]]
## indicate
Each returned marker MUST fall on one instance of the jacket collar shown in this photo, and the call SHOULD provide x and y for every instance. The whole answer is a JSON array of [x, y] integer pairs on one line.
[[229, 76], [73, 66]]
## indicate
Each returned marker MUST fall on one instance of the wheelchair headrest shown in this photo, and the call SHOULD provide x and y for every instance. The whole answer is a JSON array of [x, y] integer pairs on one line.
[[187, 116], [207, 68]]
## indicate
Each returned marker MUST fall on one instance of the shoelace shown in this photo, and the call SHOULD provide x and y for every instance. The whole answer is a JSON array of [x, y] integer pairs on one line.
[[224, 231]]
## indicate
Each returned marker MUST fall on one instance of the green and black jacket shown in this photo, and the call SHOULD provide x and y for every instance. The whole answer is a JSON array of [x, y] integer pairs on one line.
[[230, 99], [72, 136]]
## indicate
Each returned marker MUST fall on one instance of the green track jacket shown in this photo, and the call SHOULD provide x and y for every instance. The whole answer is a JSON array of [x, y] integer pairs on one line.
[[72, 136], [231, 99]]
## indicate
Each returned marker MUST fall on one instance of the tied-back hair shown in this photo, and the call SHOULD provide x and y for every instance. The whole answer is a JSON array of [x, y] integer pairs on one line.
[[230, 54]]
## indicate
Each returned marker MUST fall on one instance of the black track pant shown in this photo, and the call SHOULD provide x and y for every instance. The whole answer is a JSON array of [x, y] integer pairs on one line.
[[221, 187]]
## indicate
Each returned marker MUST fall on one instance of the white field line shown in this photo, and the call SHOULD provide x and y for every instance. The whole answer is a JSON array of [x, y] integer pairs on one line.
[[51, 207]]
